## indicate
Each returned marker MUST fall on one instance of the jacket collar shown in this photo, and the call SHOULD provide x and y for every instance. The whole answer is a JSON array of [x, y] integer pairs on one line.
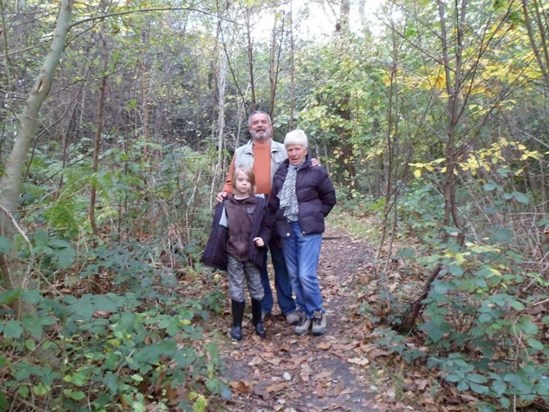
[[250, 199], [306, 163], [248, 147]]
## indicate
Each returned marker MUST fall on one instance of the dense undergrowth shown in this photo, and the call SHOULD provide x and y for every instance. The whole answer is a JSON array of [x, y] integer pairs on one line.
[[119, 321], [484, 325], [130, 339]]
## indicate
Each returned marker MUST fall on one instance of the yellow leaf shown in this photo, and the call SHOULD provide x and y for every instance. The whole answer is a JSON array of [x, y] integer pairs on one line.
[[440, 82]]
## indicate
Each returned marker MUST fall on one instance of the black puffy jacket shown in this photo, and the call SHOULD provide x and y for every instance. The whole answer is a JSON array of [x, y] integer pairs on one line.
[[315, 196]]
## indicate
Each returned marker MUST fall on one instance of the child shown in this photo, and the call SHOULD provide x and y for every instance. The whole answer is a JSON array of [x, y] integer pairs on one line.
[[240, 232]]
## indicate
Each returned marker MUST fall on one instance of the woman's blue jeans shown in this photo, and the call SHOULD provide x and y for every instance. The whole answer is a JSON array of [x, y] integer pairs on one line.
[[302, 254]]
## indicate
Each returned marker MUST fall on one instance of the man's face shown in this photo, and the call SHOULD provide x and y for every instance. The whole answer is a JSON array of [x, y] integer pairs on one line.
[[261, 128]]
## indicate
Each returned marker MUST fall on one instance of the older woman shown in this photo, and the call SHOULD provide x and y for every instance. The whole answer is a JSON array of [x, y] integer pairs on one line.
[[302, 196]]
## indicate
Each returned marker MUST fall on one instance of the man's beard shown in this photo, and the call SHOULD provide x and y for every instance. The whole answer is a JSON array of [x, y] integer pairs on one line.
[[261, 136]]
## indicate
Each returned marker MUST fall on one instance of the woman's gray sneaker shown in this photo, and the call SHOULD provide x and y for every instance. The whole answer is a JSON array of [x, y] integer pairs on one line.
[[319, 323], [303, 324]]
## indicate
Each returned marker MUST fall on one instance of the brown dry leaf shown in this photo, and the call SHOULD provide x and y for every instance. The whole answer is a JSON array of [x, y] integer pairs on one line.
[[324, 375], [305, 372], [241, 386], [368, 347], [320, 391], [290, 366], [259, 391], [376, 353], [422, 384], [300, 360], [324, 345], [337, 389], [359, 361], [255, 361], [277, 387], [347, 347], [346, 392], [273, 360]]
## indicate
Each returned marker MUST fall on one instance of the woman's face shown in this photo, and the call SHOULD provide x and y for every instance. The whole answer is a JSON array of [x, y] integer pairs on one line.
[[296, 153]]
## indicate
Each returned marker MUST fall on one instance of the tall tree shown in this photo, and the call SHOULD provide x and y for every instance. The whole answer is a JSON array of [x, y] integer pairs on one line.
[[536, 20], [343, 36], [14, 275], [458, 71], [99, 129]]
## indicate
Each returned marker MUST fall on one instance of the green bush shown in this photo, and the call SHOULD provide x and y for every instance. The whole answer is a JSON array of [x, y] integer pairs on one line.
[[110, 352], [477, 324], [419, 210]]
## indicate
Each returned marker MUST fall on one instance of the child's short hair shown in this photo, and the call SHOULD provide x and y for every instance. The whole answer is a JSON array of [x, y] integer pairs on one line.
[[248, 172]]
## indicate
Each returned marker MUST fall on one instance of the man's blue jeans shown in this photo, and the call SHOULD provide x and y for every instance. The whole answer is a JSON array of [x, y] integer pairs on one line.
[[282, 282], [302, 253]]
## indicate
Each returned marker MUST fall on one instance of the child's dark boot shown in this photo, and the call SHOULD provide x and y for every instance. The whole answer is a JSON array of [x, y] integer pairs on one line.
[[238, 313], [256, 318]]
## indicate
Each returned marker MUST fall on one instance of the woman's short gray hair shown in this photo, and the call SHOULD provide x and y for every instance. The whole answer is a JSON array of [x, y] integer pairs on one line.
[[296, 136]]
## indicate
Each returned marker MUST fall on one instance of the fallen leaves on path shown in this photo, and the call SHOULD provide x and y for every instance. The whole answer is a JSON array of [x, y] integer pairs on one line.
[[286, 372], [343, 370]]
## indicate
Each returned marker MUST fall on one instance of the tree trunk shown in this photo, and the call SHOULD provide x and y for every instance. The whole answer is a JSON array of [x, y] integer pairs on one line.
[[535, 25], [221, 87], [292, 69], [251, 61], [98, 133], [343, 106], [277, 39], [454, 77], [4, 35], [13, 273]]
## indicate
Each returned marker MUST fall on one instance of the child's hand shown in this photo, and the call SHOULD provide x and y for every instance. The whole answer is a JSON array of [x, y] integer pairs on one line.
[[259, 242]]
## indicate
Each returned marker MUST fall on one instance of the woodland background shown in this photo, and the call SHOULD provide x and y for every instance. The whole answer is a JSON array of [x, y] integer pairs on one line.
[[118, 119]]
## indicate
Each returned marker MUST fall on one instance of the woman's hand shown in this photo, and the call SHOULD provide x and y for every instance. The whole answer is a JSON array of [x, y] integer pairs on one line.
[[259, 242]]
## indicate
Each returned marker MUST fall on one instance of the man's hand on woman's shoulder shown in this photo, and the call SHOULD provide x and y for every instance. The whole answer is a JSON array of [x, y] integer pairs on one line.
[[221, 196]]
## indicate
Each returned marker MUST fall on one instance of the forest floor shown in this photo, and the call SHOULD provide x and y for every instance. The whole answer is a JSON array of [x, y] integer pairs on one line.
[[338, 371], [361, 364]]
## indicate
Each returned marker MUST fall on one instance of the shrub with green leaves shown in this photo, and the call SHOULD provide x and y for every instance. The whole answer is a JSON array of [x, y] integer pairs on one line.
[[479, 327], [420, 208], [107, 352]]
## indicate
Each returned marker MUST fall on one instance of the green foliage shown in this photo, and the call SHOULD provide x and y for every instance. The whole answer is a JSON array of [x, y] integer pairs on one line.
[[51, 252], [351, 97], [476, 319], [106, 352], [392, 342], [481, 320], [421, 210]]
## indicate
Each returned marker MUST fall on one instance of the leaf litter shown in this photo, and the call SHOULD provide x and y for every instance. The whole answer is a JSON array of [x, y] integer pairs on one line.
[[345, 369], [333, 372]]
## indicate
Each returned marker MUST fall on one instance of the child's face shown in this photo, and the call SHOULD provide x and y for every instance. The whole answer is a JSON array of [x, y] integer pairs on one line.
[[242, 185]]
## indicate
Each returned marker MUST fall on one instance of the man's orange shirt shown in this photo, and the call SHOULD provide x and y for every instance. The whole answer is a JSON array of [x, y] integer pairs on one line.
[[262, 170]]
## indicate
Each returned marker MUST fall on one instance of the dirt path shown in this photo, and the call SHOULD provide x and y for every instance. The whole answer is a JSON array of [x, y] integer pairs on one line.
[[286, 372]]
